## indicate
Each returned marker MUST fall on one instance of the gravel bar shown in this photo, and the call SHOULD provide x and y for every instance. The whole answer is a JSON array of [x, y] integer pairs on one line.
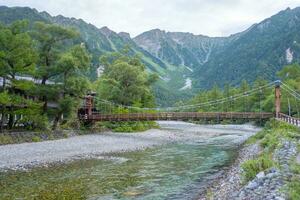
[[26, 155]]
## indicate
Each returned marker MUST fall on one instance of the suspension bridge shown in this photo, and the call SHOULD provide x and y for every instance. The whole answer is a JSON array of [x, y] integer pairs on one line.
[[89, 112]]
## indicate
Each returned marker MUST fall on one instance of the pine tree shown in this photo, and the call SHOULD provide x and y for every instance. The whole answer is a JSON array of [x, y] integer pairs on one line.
[[17, 58]]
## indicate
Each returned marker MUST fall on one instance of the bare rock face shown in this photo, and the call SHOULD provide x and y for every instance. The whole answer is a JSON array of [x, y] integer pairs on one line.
[[106, 31], [124, 35], [180, 48]]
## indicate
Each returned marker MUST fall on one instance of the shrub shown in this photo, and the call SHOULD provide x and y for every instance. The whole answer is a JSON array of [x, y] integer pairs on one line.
[[258, 136], [294, 185], [72, 123], [270, 141], [35, 139], [252, 167], [294, 189], [6, 139]]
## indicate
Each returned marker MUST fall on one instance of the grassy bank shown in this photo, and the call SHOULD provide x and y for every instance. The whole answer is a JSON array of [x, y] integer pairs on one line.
[[16, 137], [125, 126], [65, 131], [271, 139]]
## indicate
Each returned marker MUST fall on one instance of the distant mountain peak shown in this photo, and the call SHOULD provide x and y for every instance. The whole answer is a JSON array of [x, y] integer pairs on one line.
[[124, 35], [106, 31]]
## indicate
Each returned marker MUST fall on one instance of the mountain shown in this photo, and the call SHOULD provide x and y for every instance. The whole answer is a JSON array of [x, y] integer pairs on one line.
[[180, 48], [98, 41], [261, 50], [187, 63], [103, 40]]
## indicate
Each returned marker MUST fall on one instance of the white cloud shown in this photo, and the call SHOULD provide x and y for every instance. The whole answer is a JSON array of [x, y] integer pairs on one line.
[[213, 18]]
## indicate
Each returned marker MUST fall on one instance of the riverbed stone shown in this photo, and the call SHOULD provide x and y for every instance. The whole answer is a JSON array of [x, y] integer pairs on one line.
[[260, 175], [252, 185]]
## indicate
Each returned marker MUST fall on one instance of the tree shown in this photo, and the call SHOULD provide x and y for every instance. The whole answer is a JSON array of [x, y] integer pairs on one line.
[[290, 75], [74, 85], [52, 40], [244, 102], [125, 81], [17, 58], [261, 94], [215, 94]]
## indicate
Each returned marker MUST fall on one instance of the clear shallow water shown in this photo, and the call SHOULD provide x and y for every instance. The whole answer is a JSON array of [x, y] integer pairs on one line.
[[173, 171]]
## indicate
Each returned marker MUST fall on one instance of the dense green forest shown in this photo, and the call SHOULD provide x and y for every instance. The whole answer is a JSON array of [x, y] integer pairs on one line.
[[258, 97], [39, 66], [44, 77]]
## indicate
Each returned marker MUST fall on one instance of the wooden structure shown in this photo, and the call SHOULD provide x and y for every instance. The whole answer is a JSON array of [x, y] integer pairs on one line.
[[89, 114], [219, 116], [277, 99], [291, 120]]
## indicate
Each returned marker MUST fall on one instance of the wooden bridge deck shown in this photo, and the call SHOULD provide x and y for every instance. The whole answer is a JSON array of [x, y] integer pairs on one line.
[[177, 116]]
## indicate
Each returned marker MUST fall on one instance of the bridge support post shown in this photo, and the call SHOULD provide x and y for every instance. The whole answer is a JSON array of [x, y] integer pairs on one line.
[[277, 98], [89, 104]]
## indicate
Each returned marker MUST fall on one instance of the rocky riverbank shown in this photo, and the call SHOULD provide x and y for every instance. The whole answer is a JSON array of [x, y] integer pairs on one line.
[[230, 181], [271, 183]]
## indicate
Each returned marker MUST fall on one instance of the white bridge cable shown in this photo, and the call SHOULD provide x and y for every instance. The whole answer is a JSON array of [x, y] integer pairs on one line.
[[208, 103], [289, 88], [213, 102], [291, 93], [223, 100]]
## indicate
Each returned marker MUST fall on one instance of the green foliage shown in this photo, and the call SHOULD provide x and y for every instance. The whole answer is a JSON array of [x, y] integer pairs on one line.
[[134, 126], [125, 81], [229, 60], [125, 126], [270, 142], [6, 139], [36, 139], [270, 136], [17, 58], [17, 55], [5, 98], [252, 167], [293, 187], [34, 121], [262, 100], [258, 136]]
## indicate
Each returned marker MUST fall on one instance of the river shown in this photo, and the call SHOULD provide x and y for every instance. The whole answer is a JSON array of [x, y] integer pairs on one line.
[[174, 170]]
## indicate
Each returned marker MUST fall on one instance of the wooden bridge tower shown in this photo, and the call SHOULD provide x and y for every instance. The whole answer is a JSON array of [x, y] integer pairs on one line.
[[277, 98], [89, 104]]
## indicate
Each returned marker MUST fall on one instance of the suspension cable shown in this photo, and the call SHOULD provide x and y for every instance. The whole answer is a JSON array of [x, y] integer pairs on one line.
[[189, 106], [289, 88], [291, 93]]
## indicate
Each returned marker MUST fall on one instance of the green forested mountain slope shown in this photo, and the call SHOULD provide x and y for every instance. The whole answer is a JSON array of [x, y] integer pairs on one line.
[[185, 62], [98, 41], [262, 50], [180, 48]]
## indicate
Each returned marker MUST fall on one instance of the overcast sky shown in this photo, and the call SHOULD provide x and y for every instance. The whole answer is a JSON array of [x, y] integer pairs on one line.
[[208, 17]]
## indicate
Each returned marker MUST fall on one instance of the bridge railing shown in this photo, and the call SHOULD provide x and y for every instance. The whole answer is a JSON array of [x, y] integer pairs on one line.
[[291, 120], [176, 116]]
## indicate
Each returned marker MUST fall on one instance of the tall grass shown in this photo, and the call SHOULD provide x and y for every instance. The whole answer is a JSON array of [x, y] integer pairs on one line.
[[252, 167]]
